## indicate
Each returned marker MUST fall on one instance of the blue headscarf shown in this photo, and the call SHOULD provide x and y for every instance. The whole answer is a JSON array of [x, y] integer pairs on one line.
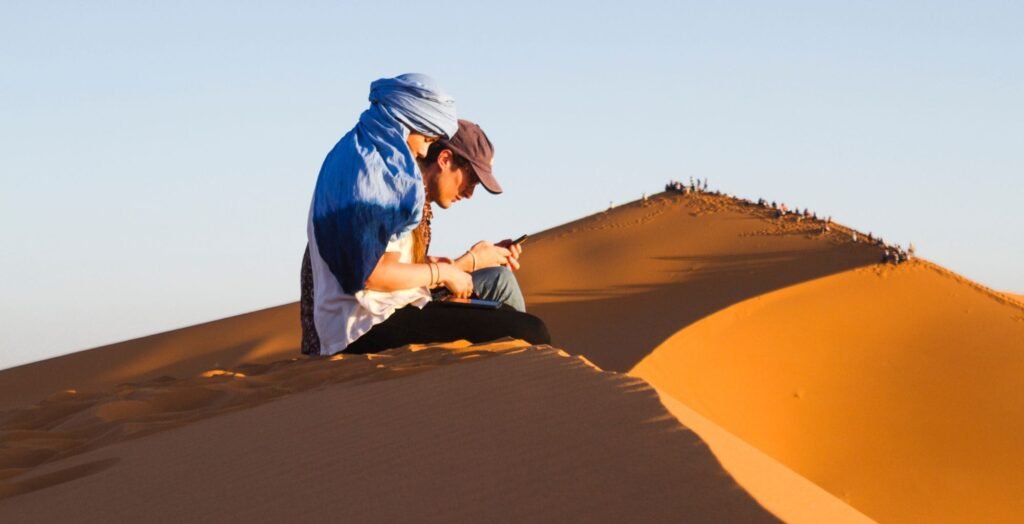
[[370, 189]]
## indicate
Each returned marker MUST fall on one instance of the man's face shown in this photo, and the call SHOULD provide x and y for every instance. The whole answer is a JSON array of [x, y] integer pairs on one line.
[[447, 183]]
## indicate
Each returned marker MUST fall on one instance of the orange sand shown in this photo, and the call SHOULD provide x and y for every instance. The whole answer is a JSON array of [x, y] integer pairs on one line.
[[780, 490], [897, 389], [805, 366], [640, 279], [261, 336], [473, 435], [613, 286]]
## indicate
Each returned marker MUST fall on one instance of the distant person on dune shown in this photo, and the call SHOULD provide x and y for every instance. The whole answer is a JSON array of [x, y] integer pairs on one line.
[[367, 281]]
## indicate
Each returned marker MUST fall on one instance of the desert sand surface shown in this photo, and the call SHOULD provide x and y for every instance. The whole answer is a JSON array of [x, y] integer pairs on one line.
[[613, 286], [897, 388], [861, 390], [258, 337], [539, 433], [440, 433], [779, 489]]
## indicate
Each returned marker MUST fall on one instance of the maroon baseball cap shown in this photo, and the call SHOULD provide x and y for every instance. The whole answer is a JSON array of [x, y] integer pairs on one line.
[[471, 143]]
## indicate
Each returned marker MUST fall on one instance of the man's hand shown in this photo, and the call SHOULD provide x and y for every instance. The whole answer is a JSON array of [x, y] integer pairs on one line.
[[491, 255], [514, 251], [456, 280]]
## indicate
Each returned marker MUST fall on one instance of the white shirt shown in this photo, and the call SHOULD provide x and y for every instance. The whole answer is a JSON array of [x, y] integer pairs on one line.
[[341, 318]]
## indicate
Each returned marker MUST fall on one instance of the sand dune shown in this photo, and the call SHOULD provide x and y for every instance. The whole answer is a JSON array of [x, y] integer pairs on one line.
[[779, 489], [640, 279], [540, 434], [510, 434], [895, 388], [804, 365], [258, 337], [615, 285]]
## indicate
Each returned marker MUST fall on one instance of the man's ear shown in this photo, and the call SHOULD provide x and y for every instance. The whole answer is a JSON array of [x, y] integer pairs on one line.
[[444, 158]]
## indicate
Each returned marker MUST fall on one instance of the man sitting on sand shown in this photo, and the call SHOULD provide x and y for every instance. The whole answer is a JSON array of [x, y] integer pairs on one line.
[[367, 282]]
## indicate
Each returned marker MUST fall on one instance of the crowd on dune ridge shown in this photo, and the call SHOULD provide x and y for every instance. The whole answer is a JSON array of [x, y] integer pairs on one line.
[[891, 253]]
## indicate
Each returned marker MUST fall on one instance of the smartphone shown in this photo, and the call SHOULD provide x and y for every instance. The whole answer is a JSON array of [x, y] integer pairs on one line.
[[521, 239]]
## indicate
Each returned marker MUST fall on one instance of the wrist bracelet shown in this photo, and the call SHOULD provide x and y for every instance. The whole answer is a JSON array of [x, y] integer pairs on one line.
[[474, 260]]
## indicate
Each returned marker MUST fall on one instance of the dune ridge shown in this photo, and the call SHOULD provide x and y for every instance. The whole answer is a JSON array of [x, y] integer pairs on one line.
[[614, 285], [69, 423], [1000, 296]]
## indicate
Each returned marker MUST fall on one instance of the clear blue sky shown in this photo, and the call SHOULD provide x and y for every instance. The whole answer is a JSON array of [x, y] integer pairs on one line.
[[157, 158]]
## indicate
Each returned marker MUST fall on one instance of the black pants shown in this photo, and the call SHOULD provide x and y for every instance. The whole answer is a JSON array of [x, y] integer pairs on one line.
[[440, 323]]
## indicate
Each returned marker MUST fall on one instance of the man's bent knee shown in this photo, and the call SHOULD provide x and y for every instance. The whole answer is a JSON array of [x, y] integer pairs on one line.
[[532, 330], [499, 283]]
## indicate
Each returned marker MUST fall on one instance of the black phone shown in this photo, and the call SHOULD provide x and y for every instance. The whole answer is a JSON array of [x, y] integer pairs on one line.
[[521, 239]]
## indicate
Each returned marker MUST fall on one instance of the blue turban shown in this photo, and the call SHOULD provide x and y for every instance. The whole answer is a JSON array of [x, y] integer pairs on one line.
[[370, 189]]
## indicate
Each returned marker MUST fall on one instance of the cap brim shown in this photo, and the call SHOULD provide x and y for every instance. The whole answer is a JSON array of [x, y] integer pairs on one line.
[[483, 172]]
